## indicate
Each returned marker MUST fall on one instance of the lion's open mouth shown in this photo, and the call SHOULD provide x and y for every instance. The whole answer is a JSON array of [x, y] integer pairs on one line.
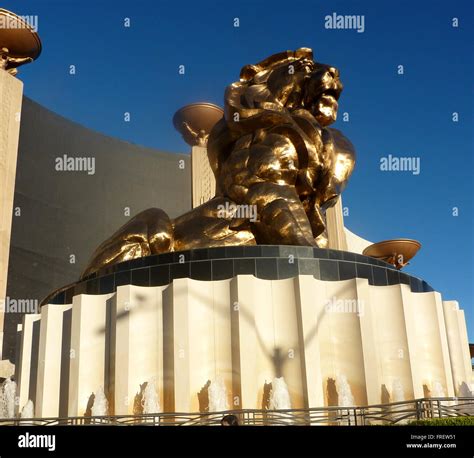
[[331, 93], [322, 92], [325, 99]]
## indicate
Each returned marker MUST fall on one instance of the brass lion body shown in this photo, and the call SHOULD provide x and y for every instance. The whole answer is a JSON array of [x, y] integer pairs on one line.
[[272, 153]]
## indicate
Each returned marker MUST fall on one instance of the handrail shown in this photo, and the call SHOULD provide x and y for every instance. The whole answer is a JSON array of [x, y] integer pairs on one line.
[[393, 413]]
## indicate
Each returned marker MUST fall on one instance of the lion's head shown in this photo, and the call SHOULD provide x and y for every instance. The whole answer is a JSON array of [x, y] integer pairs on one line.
[[287, 81], [288, 91]]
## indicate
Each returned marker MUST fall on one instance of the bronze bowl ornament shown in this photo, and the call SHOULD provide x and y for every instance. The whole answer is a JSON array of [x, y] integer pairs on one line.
[[397, 252], [195, 122], [277, 164], [19, 42]]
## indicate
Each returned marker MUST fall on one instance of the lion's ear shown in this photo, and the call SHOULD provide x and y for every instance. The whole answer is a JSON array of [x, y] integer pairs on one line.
[[248, 72], [304, 52]]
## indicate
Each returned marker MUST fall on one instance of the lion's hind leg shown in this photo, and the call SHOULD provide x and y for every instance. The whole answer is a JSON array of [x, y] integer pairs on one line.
[[149, 232]]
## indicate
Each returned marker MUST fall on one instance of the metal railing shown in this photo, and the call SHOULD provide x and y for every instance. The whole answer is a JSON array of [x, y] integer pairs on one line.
[[394, 413]]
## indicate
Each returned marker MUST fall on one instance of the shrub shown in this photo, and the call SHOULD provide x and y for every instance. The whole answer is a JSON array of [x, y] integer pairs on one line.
[[448, 421]]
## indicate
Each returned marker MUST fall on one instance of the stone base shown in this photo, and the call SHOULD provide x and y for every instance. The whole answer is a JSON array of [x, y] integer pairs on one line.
[[389, 342]]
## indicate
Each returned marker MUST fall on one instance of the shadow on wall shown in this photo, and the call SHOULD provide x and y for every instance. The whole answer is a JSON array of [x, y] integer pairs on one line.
[[464, 390], [88, 412], [331, 392], [203, 397], [385, 395], [267, 389], [426, 391]]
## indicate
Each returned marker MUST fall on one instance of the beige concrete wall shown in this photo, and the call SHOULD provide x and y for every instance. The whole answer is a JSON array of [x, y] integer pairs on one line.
[[203, 181], [355, 243], [89, 347], [199, 350], [341, 341], [335, 227], [267, 338], [244, 331], [391, 342], [28, 360], [11, 91], [371, 351], [431, 346], [245, 358], [463, 337], [52, 358], [310, 300], [457, 341], [138, 349]]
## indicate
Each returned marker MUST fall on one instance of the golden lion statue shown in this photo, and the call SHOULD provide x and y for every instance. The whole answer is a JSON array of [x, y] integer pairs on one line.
[[277, 165]]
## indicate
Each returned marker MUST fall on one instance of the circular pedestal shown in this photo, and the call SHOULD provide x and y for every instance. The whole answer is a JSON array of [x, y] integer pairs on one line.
[[268, 262]]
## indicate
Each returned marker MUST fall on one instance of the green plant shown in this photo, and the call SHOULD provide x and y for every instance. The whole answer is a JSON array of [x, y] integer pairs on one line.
[[448, 421]]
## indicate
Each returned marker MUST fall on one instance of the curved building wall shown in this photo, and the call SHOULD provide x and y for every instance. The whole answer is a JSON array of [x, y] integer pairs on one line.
[[61, 216]]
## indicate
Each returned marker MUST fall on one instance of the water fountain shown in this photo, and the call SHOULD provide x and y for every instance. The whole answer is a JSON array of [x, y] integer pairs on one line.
[[150, 400], [7, 398], [28, 410], [344, 393], [101, 405], [217, 396], [398, 394], [345, 397], [279, 395]]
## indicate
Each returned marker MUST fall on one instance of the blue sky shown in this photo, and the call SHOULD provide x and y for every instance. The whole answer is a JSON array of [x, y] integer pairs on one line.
[[135, 70]]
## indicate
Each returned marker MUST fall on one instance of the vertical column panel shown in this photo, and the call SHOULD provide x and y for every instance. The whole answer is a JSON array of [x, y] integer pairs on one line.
[[335, 227], [223, 308], [168, 349], [244, 342], [319, 337], [344, 341], [28, 360], [178, 319], [138, 345], [442, 337], [450, 310], [287, 353], [309, 300], [391, 344], [50, 360], [200, 355], [412, 341], [464, 343], [267, 350], [88, 351], [370, 346], [203, 180], [431, 349]]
